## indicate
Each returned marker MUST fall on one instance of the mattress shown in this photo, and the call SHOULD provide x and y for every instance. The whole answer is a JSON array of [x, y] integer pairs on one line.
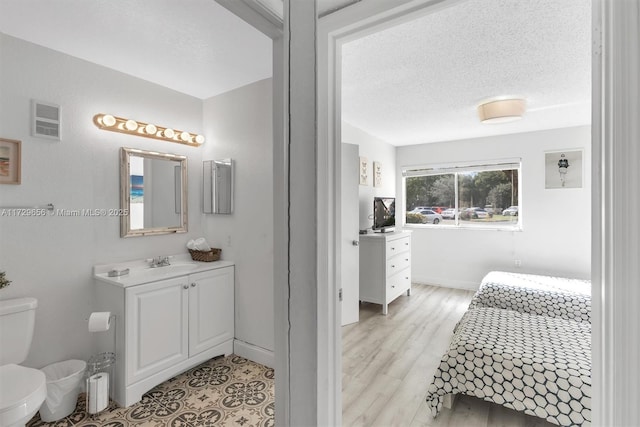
[[535, 364], [542, 295]]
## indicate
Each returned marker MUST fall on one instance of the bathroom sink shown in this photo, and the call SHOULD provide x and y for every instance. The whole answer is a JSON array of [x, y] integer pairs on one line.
[[172, 269], [139, 272]]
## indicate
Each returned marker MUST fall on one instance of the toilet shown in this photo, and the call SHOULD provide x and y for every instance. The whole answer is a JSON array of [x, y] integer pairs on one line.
[[22, 389]]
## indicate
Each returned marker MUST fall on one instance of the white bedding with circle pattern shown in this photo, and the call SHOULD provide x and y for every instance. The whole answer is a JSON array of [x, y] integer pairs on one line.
[[542, 295], [535, 364]]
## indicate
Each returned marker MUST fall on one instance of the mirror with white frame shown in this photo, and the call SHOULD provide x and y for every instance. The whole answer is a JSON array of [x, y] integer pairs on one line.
[[153, 193], [217, 186]]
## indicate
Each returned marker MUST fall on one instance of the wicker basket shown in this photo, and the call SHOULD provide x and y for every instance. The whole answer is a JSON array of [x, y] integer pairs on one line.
[[212, 255]]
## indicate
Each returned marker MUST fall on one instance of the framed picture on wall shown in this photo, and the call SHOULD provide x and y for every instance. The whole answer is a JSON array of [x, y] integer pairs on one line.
[[563, 169], [377, 174], [10, 161], [364, 167]]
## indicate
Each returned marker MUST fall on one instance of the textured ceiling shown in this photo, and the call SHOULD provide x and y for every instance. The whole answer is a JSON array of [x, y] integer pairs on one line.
[[421, 81], [196, 47], [414, 83]]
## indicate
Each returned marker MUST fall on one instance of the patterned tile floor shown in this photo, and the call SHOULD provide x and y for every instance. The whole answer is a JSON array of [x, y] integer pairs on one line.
[[226, 391]]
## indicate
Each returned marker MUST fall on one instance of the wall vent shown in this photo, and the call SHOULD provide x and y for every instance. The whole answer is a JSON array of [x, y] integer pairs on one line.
[[45, 120]]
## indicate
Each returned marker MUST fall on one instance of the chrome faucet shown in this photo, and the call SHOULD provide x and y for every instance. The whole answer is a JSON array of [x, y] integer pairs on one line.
[[159, 261]]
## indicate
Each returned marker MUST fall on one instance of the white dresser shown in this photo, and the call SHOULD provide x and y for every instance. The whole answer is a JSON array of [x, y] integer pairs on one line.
[[385, 267]]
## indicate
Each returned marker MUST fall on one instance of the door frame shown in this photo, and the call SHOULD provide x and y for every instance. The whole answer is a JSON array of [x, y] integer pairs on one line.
[[616, 63], [362, 19]]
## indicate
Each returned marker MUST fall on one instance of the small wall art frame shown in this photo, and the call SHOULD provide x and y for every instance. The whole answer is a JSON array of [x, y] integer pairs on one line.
[[10, 161], [377, 174], [364, 171], [563, 169]]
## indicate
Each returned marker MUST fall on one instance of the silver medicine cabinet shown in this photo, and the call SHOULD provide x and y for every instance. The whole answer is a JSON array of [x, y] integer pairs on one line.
[[217, 186]]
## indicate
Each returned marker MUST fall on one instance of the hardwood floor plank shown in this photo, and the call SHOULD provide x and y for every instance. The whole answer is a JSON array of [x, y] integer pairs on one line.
[[389, 362], [372, 399], [467, 412]]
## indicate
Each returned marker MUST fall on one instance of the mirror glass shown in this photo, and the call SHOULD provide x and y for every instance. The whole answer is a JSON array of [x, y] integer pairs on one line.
[[217, 186], [153, 191]]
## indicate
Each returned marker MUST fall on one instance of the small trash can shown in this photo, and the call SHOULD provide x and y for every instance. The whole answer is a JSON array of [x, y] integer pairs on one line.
[[63, 386]]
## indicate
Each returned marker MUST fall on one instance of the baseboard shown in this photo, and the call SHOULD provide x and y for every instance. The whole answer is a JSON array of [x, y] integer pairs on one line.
[[446, 283], [257, 354]]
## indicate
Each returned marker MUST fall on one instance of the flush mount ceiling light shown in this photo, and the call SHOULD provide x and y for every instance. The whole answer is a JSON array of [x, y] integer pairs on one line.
[[501, 110], [149, 130]]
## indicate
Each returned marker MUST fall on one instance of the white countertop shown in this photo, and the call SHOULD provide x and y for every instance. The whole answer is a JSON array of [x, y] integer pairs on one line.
[[140, 272]]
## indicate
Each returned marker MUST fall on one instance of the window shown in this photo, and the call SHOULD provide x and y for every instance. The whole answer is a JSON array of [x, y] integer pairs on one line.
[[473, 195]]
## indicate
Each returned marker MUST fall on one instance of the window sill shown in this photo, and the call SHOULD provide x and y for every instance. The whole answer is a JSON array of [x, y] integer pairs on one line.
[[482, 227]]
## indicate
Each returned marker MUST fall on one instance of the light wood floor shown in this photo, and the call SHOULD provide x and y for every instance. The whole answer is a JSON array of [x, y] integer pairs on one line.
[[389, 362]]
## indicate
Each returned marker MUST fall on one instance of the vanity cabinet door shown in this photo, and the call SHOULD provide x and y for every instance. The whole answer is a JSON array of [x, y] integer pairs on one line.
[[211, 309], [156, 327]]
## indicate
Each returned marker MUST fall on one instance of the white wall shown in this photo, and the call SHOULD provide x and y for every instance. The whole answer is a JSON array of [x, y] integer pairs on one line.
[[239, 126], [374, 149], [556, 234], [51, 257]]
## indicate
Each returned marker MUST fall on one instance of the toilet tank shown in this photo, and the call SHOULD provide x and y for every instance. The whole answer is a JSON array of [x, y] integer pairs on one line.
[[17, 319]]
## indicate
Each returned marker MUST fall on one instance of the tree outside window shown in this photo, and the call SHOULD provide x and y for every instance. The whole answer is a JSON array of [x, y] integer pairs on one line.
[[466, 197]]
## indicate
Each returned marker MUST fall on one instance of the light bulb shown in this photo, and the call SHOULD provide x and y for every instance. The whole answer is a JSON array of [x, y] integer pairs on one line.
[[169, 133], [151, 129], [131, 125], [185, 136], [108, 120], [200, 139]]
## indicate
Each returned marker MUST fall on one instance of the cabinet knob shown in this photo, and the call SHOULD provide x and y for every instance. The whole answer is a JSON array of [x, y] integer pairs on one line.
[[406, 259], [355, 243], [185, 286], [393, 266], [393, 286], [193, 285]]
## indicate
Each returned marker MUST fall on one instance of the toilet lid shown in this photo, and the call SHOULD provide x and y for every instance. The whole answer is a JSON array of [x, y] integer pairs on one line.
[[18, 384]]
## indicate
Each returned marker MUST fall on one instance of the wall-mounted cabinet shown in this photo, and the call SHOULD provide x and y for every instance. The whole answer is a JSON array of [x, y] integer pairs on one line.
[[217, 185]]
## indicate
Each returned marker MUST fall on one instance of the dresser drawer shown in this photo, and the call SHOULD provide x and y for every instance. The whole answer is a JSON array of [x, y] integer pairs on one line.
[[398, 263], [398, 283], [398, 246]]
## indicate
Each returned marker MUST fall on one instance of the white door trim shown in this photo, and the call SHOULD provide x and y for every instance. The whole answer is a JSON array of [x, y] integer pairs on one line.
[[362, 19], [615, 193]]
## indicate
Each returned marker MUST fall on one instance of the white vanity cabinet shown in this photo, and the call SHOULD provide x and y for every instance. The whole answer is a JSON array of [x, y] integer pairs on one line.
[[167, 326], [385, 267], [156, 327], [211, 313]]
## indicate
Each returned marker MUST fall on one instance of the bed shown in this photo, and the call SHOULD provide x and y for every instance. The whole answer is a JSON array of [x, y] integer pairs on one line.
[[542, 295], [535, 364]]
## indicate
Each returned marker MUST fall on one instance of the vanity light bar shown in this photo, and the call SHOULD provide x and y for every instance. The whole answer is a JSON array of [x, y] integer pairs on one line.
[[149, 130]]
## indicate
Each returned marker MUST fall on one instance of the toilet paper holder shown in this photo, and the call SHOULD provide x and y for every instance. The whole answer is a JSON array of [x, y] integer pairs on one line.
[[98, 382], [99, 372]]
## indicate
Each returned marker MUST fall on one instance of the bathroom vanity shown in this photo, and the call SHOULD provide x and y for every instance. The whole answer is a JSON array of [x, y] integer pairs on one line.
[[168, 319]]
